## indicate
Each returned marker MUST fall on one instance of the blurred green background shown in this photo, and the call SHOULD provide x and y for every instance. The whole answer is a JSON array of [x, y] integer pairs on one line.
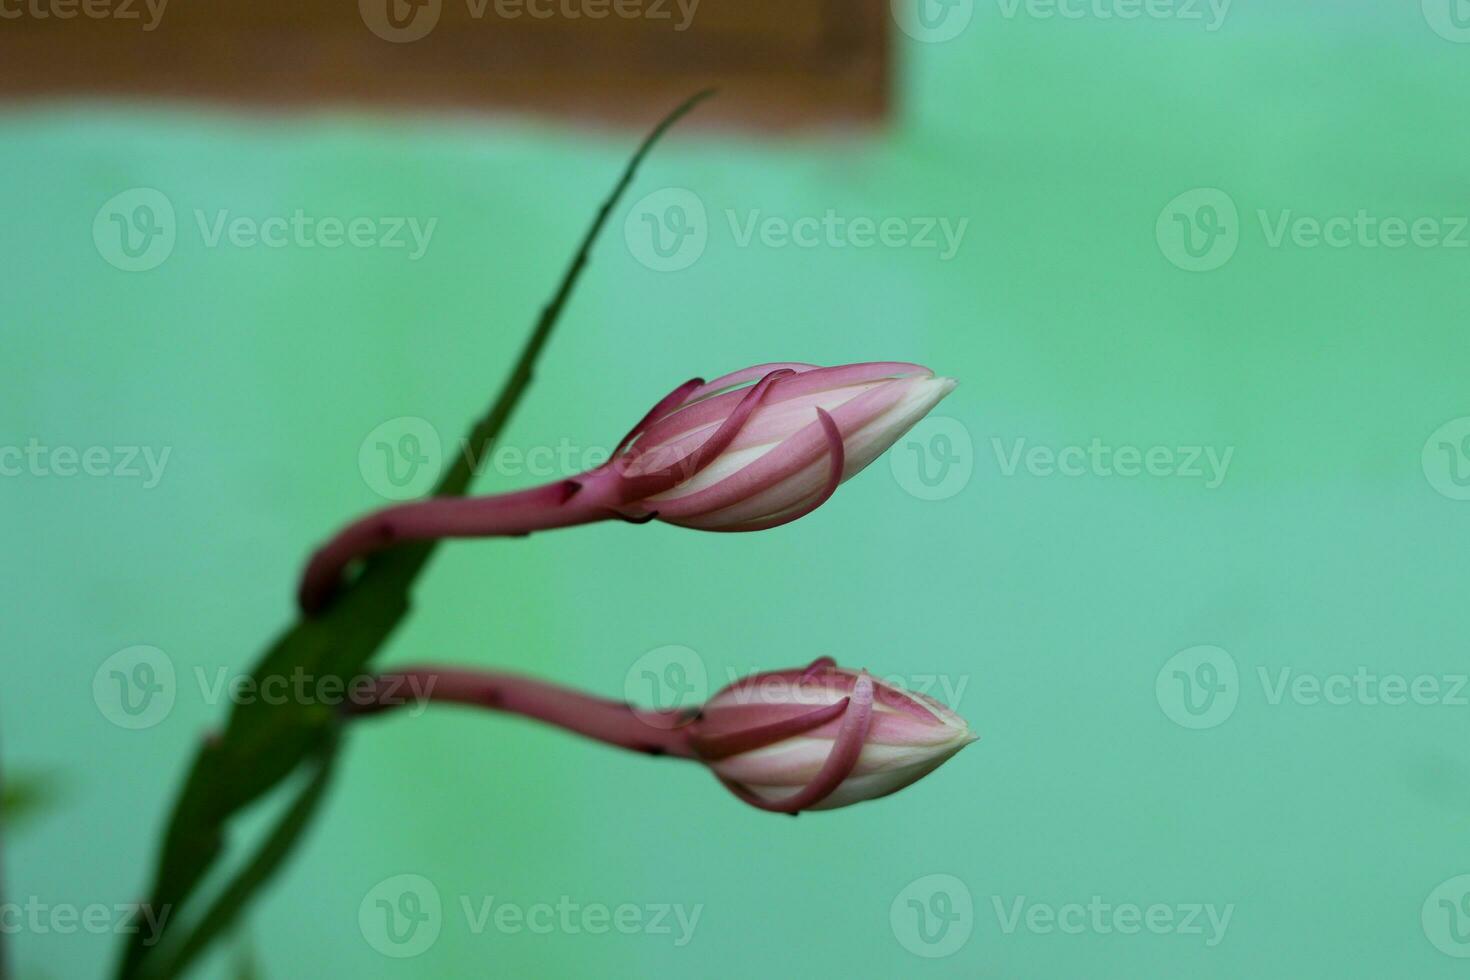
[[1052, 609]]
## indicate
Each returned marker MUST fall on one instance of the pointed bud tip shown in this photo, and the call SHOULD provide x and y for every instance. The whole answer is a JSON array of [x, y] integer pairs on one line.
[[941, 386]]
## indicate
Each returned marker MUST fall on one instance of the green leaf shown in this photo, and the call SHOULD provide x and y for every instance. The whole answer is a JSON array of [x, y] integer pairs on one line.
[[25, 797], [262, 743], [266, 861]]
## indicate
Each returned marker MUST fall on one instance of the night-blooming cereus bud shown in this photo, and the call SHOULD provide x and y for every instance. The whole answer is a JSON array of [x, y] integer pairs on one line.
[[767, 445], [752, 450], [821, 738]]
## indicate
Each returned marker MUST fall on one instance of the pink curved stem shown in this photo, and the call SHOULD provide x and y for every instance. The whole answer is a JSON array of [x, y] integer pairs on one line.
[[596, 495], [566, 503], [610, 722]]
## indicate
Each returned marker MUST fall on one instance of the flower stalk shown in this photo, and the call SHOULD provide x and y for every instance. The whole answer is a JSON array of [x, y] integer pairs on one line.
[[610, 722], [785, 742], [749, 451]]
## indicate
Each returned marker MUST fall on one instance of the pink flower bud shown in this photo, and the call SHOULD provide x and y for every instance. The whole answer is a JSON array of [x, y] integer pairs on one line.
[[822, 737], [767, 445], [753, 450]]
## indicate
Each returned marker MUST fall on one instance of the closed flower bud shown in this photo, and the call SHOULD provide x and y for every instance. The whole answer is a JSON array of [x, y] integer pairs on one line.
[[767, 445], [821, 738], [752, 450]]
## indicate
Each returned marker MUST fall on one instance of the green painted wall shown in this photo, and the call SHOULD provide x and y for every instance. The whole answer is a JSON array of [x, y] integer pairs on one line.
[[1331, 547]]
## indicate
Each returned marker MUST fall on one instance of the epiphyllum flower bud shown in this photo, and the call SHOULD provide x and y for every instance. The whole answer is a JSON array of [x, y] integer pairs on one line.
[[767, 445], [823, 737], [752, 450], [812, 739]]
